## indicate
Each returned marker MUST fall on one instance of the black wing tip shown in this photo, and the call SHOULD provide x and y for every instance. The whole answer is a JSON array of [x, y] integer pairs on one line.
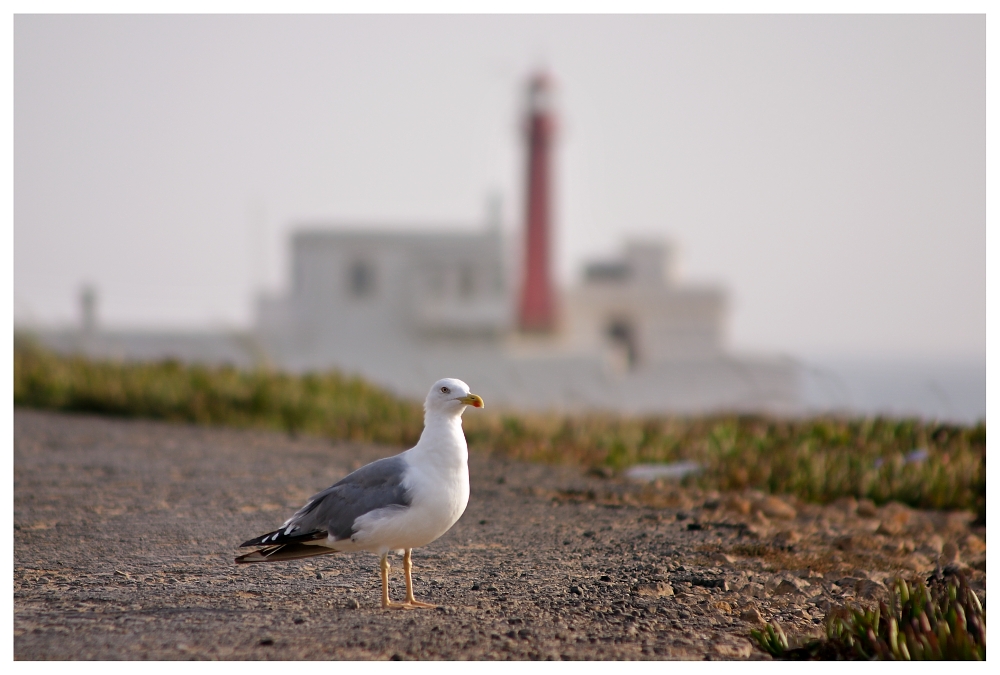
[[281, 552], [279, 537]]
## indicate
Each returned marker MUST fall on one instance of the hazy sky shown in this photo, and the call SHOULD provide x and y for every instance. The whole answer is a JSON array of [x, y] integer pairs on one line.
[[830, 171]]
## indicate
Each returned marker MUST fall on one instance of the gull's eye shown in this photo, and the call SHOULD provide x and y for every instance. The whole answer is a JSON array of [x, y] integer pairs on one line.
[[445, 390]]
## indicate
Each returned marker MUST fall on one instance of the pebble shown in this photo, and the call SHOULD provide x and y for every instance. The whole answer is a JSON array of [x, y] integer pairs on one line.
[[787, 537], [916, 562], [774, 507], [949, 554], [785, 587], [890, 527], [656, 590], [844, 542], [870, 590], [975, 545], [734, 650], [752, 615], [849, 505], [738, 504], [934, 543]]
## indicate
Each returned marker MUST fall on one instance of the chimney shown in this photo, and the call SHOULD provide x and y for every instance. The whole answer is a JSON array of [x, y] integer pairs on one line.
[[537, 310], [88, 309]]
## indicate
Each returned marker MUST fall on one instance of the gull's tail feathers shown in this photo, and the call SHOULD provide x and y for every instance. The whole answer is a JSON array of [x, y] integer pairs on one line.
[[282, 535], [284, 552]]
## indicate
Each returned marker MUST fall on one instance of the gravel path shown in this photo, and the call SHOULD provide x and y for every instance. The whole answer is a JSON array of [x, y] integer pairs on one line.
[[125, 533]]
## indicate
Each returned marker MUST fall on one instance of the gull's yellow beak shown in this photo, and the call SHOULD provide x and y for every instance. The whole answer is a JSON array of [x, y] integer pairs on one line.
[[472, 400]]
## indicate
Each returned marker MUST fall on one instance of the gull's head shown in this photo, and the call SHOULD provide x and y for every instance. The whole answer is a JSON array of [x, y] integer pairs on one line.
[[450, 396]]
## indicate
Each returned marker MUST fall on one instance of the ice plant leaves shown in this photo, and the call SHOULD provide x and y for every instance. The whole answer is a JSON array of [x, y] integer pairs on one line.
[[924, 621]]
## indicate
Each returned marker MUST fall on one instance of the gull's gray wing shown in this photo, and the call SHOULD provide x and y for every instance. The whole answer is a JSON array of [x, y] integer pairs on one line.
[[333, 511]]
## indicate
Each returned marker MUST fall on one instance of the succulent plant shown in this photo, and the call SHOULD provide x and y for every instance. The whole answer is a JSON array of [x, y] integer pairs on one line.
[[941, 619]]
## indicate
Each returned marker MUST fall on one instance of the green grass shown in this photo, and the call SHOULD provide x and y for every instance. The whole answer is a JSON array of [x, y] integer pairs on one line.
[[817, 459], [943, 622], [328, 404]]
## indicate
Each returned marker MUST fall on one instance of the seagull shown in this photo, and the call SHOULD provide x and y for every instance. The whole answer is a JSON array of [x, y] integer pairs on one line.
[[393, 504]]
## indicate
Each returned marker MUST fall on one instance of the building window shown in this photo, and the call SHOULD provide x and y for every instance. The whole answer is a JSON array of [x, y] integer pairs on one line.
[[361, 279]]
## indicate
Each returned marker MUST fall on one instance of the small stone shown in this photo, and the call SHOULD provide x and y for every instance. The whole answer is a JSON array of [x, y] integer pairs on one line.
[[870, 590], [740, 649], [975, 545], [916, 562], [785, 587], [890, 527], [821, 603], [738, 504], [751, 615], [657, 590], [849, 505], [788, 537], [773, 507], [898, 513], [907, 546], [723, 558], [844, 543], [849, 582], [934, 543], [352, 603], [949, 554], [866, 508], [958, 521]]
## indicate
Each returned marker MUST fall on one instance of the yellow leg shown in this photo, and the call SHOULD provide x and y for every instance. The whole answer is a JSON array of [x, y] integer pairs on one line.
[[410, 600], [384, 567]]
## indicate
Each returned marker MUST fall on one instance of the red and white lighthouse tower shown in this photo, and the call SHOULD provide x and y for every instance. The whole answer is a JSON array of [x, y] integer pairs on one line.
[[537, 309]]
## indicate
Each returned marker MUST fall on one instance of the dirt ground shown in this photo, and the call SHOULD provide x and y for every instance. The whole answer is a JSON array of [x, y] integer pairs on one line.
[[125, 533]]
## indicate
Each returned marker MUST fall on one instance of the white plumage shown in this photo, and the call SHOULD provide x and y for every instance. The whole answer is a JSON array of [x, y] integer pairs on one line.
[[394, 504]]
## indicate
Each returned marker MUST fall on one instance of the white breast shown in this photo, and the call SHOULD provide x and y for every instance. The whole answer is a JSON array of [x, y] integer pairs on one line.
[[437, 482]]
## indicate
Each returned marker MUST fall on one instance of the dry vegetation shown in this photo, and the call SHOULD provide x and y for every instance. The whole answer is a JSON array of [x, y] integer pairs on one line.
[[920, 463]]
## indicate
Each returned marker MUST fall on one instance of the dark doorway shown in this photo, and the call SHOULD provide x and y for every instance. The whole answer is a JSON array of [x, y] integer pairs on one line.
[[623, 336]]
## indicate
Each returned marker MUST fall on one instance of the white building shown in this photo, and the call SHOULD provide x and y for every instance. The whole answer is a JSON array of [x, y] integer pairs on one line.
[[405, 309]]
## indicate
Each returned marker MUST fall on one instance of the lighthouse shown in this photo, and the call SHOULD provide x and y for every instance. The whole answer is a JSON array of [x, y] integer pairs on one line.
[[537, 302]]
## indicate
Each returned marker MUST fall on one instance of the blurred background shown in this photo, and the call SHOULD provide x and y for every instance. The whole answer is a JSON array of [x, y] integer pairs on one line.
[[783, 213]]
